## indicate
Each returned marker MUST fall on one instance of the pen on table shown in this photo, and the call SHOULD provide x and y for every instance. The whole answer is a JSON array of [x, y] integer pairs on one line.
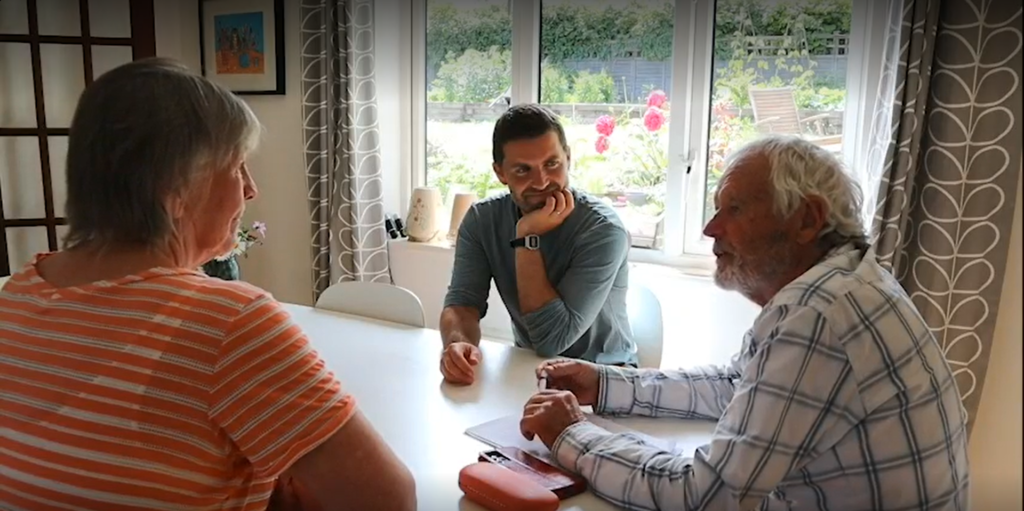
[[542, 381]]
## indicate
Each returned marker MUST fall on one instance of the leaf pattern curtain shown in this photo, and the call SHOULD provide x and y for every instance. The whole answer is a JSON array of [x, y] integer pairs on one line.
[[342, 151], [947, 150]]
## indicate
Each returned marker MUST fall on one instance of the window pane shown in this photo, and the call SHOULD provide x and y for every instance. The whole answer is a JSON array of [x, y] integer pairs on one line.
[[21, 178], [59, 17], [110, 18], [780, 67], [13, 17], [63, 82], [605, 68], [24, 243], [469, 80]]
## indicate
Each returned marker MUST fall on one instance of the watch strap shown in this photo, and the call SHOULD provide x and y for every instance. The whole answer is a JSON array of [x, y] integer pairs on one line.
[[530, 241]]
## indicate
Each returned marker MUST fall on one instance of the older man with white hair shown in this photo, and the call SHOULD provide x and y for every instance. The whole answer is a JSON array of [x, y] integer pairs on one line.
[[839, 399]]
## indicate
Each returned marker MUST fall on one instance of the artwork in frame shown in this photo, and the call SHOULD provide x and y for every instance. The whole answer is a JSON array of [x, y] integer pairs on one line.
[[242, 44]]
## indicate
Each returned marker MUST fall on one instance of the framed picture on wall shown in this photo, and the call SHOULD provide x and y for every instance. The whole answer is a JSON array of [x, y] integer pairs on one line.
[[242, 44]]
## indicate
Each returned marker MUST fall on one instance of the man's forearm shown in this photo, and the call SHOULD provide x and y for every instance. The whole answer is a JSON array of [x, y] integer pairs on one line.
[[460, 324], [635, 475], [696, 393], [535, 289]]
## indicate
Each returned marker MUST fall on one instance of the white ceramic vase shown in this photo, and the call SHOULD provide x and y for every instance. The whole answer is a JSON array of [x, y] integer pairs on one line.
[[423, 223], [460, 205]]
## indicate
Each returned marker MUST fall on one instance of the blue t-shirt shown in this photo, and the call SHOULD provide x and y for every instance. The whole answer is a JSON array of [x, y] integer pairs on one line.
[[585, 258]]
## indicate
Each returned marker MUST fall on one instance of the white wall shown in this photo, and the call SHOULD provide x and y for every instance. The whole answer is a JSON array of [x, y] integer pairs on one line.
[[282, 265], [995, 452]]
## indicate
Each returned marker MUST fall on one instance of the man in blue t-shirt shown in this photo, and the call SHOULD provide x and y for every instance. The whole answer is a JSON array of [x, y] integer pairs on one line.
[[556, 254]]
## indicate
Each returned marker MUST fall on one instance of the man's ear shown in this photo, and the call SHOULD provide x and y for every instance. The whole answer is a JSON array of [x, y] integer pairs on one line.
[[498, 171], [813, 215]]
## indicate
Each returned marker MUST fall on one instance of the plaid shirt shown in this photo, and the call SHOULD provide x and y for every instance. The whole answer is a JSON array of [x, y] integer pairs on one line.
[[840, 399]]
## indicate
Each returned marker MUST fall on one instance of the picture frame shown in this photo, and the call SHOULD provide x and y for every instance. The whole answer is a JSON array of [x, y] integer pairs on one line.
[[242, 45]]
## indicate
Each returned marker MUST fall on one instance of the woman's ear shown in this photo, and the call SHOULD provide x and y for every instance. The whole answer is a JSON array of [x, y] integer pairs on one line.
[[176, 206]]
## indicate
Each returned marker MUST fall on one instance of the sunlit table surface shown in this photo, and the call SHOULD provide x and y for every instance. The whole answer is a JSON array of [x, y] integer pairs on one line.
[[393, 372]]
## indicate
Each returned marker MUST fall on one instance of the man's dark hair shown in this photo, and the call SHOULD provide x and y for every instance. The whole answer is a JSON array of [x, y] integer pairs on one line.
[[524, 121]]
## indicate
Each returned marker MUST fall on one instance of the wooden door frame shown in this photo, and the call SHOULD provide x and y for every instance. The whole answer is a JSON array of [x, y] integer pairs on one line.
[[143, 44]]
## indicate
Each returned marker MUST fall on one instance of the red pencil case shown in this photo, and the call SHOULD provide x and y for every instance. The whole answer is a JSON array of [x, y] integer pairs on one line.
[[510, 479]]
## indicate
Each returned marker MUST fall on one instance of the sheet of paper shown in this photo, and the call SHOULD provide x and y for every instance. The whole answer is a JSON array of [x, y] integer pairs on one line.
[[504, 432]]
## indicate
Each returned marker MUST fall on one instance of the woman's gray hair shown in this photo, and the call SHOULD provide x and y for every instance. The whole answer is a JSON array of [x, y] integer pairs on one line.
[[142, 133], [800, 168]]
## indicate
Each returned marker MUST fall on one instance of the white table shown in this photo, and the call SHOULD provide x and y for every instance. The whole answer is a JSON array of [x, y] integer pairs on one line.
[[393, 372]]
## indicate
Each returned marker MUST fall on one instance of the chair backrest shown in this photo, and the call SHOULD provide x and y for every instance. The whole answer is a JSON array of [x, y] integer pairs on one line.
[[775, 110], [374, 300], [3, 280], [645, 320]]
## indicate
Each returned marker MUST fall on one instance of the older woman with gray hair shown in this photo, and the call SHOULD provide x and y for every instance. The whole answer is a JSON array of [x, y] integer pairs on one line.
[[132, 381], [839, 398]]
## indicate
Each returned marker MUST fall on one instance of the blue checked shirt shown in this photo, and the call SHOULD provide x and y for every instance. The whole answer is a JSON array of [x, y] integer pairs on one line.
[[840, 399]]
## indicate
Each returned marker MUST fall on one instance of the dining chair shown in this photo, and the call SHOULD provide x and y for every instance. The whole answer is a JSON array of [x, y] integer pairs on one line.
[[775, 111], [3, 280], [644, 311], [374, 300]]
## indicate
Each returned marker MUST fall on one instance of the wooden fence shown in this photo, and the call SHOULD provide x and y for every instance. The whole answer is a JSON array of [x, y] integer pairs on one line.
[[581, 113], [636, 76]]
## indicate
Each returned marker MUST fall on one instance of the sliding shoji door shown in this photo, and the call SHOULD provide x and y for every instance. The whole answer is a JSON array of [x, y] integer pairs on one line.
[[49, 51]]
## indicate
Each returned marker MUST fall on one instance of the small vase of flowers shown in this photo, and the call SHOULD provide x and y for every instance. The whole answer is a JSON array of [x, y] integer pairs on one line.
[[226, 266]]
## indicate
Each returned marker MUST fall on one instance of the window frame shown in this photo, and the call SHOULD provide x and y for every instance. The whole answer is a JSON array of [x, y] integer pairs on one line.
[[684, 244]]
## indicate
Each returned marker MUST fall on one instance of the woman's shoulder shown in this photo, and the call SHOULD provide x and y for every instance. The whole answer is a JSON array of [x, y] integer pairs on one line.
[[200, 303], [199, 287], [196, 280]]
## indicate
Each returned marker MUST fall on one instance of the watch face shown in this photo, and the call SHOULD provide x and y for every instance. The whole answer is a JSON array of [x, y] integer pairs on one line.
[[532, 241]]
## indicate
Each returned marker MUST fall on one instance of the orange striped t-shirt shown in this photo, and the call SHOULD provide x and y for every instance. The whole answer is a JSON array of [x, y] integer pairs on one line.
[[163, 390]]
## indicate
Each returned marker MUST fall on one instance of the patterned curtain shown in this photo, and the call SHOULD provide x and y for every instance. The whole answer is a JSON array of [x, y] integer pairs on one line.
[[342, 152], [948, 153]]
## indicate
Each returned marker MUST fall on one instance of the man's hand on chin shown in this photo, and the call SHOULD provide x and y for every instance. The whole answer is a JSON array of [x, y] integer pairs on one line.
[[548, 413], [555, 210]]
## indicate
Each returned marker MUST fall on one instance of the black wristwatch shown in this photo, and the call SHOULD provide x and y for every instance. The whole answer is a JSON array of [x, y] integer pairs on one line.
[[530, 241]]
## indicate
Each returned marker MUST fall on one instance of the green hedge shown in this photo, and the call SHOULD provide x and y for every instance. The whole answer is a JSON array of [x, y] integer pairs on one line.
[[572, 32]]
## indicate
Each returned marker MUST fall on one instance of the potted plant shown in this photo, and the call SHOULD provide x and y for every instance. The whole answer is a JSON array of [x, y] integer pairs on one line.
[[226, 266]]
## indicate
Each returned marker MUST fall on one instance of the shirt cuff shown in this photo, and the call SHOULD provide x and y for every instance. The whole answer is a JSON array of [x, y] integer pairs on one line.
[[460, 299], [615, 391], [574, 442]]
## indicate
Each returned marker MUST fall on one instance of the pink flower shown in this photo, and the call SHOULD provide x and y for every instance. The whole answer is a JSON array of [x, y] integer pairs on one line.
[[605, 125], [260, 227], [602, 144], [654, 119], [656, 99], [721, 110]]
